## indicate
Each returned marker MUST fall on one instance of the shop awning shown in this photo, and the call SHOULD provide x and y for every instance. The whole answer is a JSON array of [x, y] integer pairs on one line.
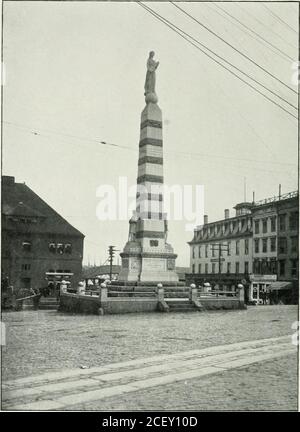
[[279, 286]]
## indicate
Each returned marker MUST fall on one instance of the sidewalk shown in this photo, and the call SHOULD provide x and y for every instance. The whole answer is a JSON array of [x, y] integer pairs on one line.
[[73, 388]]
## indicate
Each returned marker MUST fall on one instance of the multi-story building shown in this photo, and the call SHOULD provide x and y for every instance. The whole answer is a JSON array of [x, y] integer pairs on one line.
[[288, 240], [258, 246], [221, 252], [275, 242], [39, 247], [264, 248]]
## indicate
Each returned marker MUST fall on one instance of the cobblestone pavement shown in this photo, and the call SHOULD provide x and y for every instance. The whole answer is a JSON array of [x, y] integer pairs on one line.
[[267, 386], [47, 341]]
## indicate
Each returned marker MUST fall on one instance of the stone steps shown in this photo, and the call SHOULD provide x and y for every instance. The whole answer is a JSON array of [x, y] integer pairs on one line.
[[131, 294], [48, 303], [181, 306]]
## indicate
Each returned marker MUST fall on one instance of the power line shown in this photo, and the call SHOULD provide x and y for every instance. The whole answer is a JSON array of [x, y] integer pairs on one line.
[[34, 132], [278, 18], [261, 23], [233, 47], [232, 65], [249, 29], [173, 27]]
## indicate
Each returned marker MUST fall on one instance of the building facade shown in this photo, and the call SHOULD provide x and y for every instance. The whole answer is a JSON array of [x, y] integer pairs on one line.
[[288, 240], [39, 247], [258, 247], [221, 252]]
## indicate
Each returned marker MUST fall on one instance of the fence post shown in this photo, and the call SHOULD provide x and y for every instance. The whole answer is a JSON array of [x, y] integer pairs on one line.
[[103, 293], [162, 305], [193, 294], [160, 293]]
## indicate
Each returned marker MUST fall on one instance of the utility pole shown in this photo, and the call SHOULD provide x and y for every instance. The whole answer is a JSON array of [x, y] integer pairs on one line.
[[220, 247], [111, 252]]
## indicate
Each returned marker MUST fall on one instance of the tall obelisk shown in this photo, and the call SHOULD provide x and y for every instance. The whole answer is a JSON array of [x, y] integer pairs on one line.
[[147, 257]]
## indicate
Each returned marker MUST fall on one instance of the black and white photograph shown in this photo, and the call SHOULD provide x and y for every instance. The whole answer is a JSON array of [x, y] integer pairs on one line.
[[149, 209]]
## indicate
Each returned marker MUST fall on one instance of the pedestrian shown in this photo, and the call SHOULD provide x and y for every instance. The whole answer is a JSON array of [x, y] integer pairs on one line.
[[264, 297], [36, 298]]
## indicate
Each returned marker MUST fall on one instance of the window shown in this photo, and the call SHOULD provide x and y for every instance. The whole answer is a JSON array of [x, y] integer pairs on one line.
[[237, 267], [246, 246], [229, 248], [60, 248], [52, 247], [256, 226], [282, 219], [294, 244], [26, 266], [273, 244], [294, 270], [193, 268], [68, 248], [265, 225], [264, 245], [155, 243], [193, 252], [199, 268], [246, 267], [264, 266], [213, 267], [206, 251], [273, 266], [282, 245], [26, 245], [237, 247], [213, 251], [273, 223], [256, 245], [228, 267], [206, 268], [256, 266], [293, 221], [282, 267], [199, 252]]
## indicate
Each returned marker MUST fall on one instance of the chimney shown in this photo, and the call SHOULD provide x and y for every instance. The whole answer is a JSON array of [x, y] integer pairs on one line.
[[279, 191], [205, 219], [226, 213]]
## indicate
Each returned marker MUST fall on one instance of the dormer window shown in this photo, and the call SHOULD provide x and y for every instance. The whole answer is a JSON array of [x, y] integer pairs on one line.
[[26, 245], [52, 247], [68, 248], [60, 248]]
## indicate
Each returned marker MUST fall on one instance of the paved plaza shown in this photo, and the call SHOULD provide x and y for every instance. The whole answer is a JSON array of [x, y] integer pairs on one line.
[[233, 360]]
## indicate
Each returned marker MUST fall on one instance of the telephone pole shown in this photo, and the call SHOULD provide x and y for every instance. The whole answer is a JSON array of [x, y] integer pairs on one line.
[[111, 253], [220, 247]]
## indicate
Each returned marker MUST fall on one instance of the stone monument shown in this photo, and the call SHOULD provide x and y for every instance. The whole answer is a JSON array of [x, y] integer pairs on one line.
[[147, 257]]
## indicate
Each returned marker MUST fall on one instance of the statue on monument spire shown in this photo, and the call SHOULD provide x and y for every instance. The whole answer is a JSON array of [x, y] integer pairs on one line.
[[150, 95]]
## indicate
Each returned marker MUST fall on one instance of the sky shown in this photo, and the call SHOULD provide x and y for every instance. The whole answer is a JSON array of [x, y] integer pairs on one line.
[[74, 76]]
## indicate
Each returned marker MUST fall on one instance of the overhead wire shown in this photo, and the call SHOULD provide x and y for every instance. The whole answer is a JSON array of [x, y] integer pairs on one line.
[[182, 34], [249, 29], [233, 47]]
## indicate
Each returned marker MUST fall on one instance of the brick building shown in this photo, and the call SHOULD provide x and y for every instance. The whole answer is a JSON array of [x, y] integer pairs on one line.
[[259, 246], [221, 252], [39, 247]]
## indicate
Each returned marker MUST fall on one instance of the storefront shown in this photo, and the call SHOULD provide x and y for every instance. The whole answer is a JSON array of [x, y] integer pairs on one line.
[[54, 280], [260, 286]]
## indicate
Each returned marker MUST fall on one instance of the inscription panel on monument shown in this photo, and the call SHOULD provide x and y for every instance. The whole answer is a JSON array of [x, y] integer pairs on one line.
[[157, 264]]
